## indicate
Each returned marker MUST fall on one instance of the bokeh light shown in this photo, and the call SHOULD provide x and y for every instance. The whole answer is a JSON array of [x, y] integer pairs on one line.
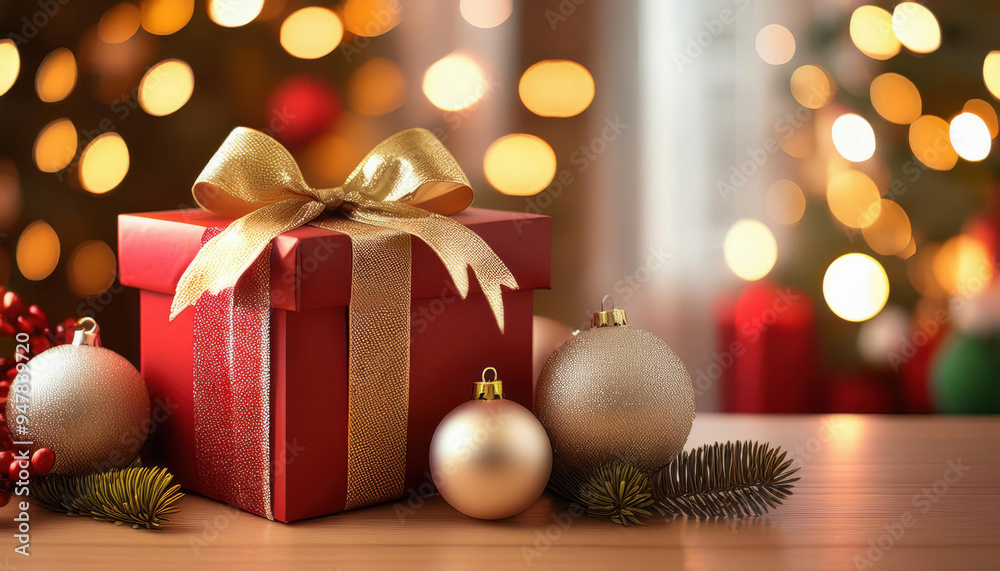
[[164, 17], [931, 143], [853, 198], [962, 265], [909, 249], [970, 136], [750, 249], [311, 32], [775, 44], [454, 82], [91, 268], [855, 287], [486, 13], [166, 87], [371, 17], [104, 163], [329, 158], [916, 27], [119, 23], [234, 13], [920, 271], [896, 98], [556, 88], [37, 251], [785, 202], [889, 234], [871, 31], [377, 87], [56, 76], [812, 86], [853, 137], [55, 146], [986, 112], [991, 72], [798, 142], [10, 64], [519, 164]]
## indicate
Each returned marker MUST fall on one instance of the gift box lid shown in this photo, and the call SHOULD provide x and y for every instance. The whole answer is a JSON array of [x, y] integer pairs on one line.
[[311, 267]]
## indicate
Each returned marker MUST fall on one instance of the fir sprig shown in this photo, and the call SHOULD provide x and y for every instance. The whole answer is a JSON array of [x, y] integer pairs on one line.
[[135, 496], [731, 480]]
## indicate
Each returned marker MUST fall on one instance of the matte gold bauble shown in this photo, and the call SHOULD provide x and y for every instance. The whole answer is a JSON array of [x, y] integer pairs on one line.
[[615, 392], [490, 457], [86, 403]]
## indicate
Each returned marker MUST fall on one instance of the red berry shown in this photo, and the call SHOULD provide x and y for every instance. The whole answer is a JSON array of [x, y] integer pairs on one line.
[[23, 325], [15, 469], [10, 304], [6, 456], [37, 317], [42, 461], [6, 329]]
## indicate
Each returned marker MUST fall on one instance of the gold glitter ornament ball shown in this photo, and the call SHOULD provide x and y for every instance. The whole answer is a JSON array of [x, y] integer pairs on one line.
[[615, 393], [490, 457], [86, 403]]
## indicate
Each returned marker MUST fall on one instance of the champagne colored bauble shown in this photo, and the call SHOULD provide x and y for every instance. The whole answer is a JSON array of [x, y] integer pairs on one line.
[[615, 393], [86, 403], [490, 457]]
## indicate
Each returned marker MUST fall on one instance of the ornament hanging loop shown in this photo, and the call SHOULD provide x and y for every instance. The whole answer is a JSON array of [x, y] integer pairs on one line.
[[609, 316], [87, 332], [488, 390]]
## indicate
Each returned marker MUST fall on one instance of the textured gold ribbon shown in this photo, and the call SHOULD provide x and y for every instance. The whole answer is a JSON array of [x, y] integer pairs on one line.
[[405, 186]]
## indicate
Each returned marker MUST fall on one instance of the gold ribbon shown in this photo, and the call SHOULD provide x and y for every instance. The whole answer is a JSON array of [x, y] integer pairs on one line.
[[404, 187]]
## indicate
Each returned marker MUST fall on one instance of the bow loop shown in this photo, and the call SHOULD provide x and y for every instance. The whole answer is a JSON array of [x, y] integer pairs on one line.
[[405, 184], [249, 171]]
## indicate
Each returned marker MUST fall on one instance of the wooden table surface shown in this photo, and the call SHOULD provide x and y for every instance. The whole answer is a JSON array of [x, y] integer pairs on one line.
[[876, 492]]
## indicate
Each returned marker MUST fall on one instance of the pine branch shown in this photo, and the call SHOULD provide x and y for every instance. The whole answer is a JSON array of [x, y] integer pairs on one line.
[[735, 479], [719, 480], [619, 493], [136, 496]]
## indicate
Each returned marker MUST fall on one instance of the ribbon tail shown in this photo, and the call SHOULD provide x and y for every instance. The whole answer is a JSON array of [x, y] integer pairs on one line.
[[223, 259]]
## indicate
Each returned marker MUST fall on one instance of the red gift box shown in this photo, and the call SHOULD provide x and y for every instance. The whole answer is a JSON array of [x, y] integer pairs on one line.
[[452, 340]]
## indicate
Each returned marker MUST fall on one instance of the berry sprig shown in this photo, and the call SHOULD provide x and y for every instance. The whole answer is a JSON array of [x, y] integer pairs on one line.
[[15, 318]]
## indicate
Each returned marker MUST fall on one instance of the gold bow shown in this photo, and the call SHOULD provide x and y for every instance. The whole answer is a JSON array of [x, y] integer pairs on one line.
[[409, 183], [402, 188]]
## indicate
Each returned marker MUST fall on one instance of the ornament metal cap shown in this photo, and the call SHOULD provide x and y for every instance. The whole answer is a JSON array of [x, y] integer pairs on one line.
[[87, 332], [609, 317], [488, 390]]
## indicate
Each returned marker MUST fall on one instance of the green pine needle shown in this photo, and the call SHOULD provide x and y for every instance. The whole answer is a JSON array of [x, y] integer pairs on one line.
[[135, 496], [731, 480]]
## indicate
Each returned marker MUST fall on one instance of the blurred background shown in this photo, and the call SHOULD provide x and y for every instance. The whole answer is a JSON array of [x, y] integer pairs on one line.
[[800, 197]]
